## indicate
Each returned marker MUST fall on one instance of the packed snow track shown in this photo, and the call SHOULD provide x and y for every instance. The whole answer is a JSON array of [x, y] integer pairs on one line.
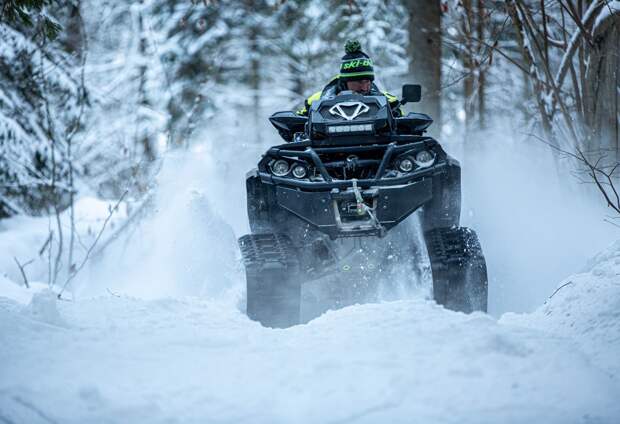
[[120, 359]]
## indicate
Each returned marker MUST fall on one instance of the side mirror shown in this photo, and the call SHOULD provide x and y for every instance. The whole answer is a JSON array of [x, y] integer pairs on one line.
[[412, 93]]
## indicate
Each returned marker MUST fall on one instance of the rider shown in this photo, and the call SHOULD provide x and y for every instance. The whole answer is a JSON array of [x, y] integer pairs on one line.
[[356, 74]]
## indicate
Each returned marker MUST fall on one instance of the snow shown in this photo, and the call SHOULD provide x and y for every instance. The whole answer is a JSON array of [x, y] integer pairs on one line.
[[153, 329], [185, 248], [586, 306], [123, 359], [169, 341], [24, 237], [536, 226]]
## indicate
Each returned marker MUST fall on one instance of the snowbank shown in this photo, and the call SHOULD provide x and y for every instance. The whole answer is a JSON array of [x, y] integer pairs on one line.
[[586, 308]]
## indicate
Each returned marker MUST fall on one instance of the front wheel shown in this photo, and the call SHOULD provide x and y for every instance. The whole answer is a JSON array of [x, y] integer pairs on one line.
[[459, 269]]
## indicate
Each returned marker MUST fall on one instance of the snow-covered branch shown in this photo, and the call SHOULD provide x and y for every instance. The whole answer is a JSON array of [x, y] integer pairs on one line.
[[586, 23]]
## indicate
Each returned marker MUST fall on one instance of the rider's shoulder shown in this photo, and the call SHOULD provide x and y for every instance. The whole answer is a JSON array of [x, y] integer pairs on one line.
[[308, 102], [314, 96]]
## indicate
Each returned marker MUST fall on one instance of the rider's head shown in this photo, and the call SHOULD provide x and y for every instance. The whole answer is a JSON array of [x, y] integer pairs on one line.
[[356, 70]]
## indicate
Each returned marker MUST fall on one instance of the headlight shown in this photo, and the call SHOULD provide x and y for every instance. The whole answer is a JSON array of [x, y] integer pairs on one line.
[[338, 129], [280, 168], [424, 159], [299, 171], [405, 165]]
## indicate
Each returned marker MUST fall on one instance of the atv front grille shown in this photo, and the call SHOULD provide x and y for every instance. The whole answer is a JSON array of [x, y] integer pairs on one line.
[[344, 166], [337, 166]]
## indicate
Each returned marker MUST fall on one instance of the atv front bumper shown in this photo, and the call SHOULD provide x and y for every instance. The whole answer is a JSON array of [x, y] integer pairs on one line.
[[341, 209], [338, 213]]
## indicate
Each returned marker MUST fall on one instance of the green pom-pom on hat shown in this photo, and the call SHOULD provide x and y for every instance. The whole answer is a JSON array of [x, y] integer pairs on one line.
[[355, 64], [352, 46]]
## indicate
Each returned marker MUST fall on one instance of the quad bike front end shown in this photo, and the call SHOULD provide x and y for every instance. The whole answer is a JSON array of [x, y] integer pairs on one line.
[[353, 171]]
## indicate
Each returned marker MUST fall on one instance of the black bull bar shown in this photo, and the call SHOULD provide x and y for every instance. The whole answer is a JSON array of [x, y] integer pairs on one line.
[[352, 208]]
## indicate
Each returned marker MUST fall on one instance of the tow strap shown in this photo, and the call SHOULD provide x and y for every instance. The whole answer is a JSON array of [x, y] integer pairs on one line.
[[363, 207]]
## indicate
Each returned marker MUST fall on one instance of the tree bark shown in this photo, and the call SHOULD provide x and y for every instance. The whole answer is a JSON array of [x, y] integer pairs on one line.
[[424, 51], [73, 31], [254, 78], [468, 66], [602, 113], [480, 25], [143, 137]]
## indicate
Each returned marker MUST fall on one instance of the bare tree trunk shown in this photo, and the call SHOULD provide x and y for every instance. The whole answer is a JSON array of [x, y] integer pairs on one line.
[[143, 138], [468, 67], [74, 30], [424, 51], [83, 51], [582, 61], [255, 76], [602, 113], [480, 25]]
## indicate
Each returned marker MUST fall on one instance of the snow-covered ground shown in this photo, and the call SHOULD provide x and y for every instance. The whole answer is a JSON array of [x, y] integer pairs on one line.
[[123, 359], [25, 239], [156, 332]]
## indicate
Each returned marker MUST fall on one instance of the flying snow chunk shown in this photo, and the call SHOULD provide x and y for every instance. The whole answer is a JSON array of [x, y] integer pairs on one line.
[[43, 308]]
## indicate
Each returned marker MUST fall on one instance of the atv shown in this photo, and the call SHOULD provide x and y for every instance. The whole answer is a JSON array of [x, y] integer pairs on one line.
[[330, 205]]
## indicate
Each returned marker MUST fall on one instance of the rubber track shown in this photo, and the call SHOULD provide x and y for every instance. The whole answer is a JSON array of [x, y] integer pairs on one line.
[[267, 251], [454, 251], [272, 277], [453, 245]]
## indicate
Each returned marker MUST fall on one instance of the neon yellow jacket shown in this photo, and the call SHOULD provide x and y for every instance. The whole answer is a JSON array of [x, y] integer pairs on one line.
[[335, 86]]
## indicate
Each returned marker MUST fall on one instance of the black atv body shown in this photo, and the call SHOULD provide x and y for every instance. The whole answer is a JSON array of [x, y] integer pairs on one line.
[[350, 173]]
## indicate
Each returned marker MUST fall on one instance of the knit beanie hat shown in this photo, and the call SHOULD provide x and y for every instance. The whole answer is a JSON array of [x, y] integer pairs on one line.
[[356, 64]]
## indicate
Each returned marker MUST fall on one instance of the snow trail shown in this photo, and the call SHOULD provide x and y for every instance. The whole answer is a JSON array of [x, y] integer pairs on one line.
[[188, 360]]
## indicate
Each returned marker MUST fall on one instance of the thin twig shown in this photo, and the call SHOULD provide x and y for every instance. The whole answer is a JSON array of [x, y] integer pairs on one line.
[[607, 220], [35, 409], [105, 223], [57, 260], [136, 214], [560, 288], [112, 293], [594, 172], [47, 242], [23, 272], [570, 9]]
